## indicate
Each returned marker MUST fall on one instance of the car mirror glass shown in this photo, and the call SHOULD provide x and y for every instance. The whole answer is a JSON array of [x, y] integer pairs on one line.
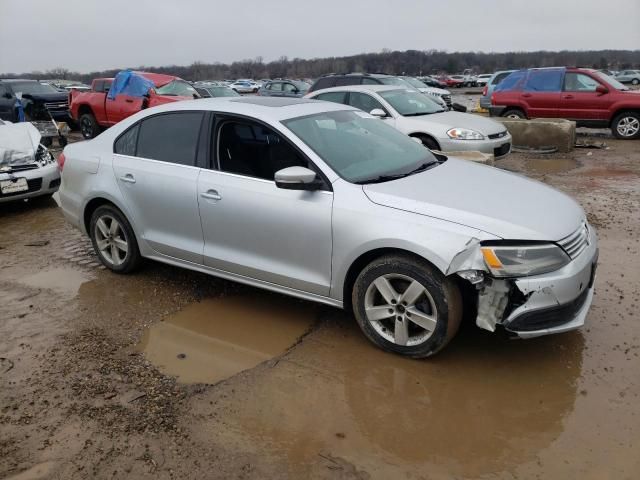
[[378, 112]]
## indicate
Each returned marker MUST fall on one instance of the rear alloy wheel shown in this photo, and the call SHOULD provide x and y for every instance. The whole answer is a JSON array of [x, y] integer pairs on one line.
[[626, 126], [113, 240], [514, 114], [405, 306], [89, 126]]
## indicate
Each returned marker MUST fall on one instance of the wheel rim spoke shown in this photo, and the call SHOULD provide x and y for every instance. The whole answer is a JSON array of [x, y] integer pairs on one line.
[[386, 290], [102, 226], [102, 244], [121, 245], [421, 319], [115, 256], [401, 332], [114, 227], [412, 293], [379, 313]]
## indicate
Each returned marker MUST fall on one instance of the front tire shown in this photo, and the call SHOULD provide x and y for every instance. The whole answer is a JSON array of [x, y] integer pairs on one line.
[[635, 81], [626, 126], [113, 240], [89, 126], [406, 306], [428, 142]]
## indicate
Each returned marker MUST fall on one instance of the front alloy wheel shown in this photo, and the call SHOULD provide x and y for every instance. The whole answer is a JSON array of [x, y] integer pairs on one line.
[[627, 126]]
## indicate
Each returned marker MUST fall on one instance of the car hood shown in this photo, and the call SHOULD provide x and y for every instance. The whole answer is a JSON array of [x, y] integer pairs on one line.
[[449, 120], [437, 91], [48, 97], [18, 144], [501, 203]]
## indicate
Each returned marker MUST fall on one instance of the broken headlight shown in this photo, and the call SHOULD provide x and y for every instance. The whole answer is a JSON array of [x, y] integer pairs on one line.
[[525, 260]]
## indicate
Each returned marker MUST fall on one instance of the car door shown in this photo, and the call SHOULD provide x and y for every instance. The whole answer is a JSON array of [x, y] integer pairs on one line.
[[276, 89], [541, 93], [255, 229], [154, 163], [7, 103], [581, 101], [289, 90]]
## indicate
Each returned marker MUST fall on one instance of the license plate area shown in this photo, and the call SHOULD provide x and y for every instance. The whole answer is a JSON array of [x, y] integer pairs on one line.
[[13, 186]]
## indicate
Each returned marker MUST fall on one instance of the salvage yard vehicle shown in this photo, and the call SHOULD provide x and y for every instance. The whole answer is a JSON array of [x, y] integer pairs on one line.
[[487, 91], [207, 90], [418, 116], [629, 76], [325, 202], [245, 86], [106, 105], [40, 101], [440, 95], [589, 97], [283, 88], [27, 168], [483, 79]]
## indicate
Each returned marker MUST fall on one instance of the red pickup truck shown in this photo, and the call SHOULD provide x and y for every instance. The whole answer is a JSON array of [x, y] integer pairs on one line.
[[589, 97], [95, 109]]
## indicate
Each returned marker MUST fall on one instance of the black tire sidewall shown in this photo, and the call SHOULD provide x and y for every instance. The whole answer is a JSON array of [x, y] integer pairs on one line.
[[94, 125], [429, 142], [514, 111], [133, 258], [433, 280]]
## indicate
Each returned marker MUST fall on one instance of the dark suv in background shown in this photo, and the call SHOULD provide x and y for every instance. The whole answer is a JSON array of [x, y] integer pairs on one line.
[[342, 80], [589, 97], [37, 98]]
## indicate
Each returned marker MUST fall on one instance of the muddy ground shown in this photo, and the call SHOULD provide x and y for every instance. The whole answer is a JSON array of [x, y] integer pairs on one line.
[[254, 385]]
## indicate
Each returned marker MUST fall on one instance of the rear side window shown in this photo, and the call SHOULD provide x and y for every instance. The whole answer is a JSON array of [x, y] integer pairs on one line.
[[511, 82], [170, 137], [99, 86], [126, 143], [369, 81], [336, 97], [342, 81], [499, 77], [544, 81], [324, 83]]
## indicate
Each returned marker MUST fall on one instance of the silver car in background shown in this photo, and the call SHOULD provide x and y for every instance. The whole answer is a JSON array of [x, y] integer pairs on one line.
[[325, 202], [418, 116], [27, 168]]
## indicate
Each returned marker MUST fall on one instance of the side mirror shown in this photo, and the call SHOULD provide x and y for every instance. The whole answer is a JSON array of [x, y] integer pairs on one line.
[[19, 95], [602, 90], [297, 178], [378, 112]]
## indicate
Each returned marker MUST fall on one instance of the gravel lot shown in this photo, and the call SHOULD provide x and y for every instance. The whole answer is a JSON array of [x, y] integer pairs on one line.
[[307, 396]]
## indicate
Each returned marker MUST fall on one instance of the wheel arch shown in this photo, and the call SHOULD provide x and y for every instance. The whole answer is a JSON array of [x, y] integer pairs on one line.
[[623, 109], [98, 201], [425, 135], [85, 108]]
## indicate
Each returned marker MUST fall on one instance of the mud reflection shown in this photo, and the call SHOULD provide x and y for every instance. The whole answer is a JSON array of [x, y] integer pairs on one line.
[[485, 404], [544, 166], [217, 338], [63, 280]]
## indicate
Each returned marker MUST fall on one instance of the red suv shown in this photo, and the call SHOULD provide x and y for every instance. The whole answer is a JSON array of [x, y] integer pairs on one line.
[[589, 97]]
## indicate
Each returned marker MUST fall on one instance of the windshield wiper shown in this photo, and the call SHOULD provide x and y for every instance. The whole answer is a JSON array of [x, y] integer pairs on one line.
[[386, 178], [418, 114]]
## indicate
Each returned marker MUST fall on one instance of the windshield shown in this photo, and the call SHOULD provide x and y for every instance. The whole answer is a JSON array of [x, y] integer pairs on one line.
[[33, 88], [177, 88], [610, 80], [410, 103], [414, 82], [359, 147], [222, 92], [393, 81]]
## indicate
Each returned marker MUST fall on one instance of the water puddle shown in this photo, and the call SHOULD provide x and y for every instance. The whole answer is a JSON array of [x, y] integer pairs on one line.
[[217, 338], [544, 166], [63, 280]]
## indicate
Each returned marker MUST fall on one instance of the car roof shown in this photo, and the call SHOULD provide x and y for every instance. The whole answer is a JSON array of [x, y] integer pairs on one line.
[[362, 88], [13, 80], [263, 108]]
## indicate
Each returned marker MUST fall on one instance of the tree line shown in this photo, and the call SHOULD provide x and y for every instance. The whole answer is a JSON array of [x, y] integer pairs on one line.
[[409, 62]]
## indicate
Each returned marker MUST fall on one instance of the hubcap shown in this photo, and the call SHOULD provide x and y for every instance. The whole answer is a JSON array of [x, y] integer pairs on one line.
[[400, 309], [111, 240], [628, 126], [85, 127]]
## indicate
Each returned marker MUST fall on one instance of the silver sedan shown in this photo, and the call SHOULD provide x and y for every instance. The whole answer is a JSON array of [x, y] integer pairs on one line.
[[327, 203]]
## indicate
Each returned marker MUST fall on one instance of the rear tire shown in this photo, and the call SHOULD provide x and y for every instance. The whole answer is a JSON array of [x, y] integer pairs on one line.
[[514, 113], [89, 126], [406, 306], [113, 240], [626, 126]]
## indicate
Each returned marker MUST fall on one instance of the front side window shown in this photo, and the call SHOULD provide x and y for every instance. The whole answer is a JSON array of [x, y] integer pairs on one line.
[[289, 88], [364, 102], [251, 149], [578, 82], [544, 81], [359, 147], [335, 97], [170, 137], [276, 87], [410, 103]]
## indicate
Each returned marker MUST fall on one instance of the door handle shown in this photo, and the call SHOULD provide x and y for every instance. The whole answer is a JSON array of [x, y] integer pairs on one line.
[[128, 100], [526, 95], [128, 178], [211, 195], [568, 97]]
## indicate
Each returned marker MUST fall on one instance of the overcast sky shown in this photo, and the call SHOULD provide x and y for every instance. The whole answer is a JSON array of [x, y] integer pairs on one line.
[[87, 35]]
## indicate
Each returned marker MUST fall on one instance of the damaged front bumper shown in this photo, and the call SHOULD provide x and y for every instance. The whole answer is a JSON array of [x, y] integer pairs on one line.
[[539, 305]]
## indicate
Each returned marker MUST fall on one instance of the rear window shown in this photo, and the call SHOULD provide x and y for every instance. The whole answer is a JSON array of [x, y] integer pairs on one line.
[[170, 137], [544, 81], [342, 81], [511, 82]]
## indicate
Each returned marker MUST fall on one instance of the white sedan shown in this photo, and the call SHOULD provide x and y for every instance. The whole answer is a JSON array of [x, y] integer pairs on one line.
[[418, 116]]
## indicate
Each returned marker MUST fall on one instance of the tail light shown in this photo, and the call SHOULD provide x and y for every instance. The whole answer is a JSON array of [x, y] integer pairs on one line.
[[485, 90], [61, 160]]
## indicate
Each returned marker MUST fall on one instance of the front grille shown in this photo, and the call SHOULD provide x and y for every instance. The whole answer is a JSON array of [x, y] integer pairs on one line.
[[498, 135], [502, 150], [34, 184], [64, 105], [548, 317], [577, 242]]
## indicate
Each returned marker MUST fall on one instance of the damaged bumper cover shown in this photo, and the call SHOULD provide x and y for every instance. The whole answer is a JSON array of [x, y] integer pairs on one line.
[[538, 305]]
